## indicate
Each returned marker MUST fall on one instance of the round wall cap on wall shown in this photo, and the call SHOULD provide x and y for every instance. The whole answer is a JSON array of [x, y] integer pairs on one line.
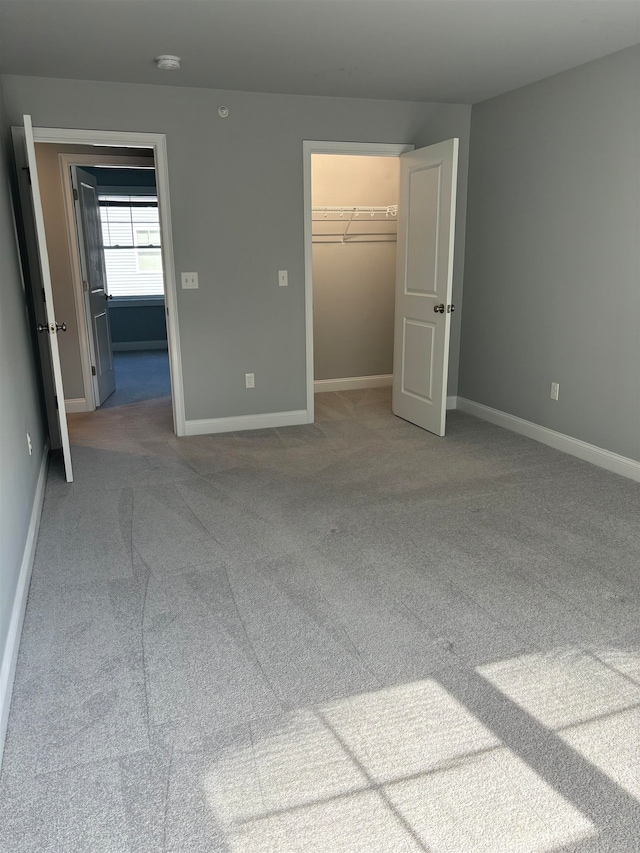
[[223, 112]]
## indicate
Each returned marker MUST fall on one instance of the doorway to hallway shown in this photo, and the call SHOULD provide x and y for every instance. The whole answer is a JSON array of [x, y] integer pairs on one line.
[[39, 266]]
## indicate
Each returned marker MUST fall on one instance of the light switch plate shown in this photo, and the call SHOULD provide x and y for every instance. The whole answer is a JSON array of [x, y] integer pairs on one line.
[[190, 281], [283, 278]]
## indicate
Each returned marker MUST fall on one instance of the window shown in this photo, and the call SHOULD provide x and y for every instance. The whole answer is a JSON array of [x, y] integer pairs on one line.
[[132, 246], [148, 260], [147, 238]]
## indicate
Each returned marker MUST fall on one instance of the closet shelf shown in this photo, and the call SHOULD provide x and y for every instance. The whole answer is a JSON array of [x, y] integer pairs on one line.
[[387, 209], [371, 221]]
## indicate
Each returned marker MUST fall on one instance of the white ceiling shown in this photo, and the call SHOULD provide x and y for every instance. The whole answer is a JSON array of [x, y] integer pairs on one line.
[[461, 51]]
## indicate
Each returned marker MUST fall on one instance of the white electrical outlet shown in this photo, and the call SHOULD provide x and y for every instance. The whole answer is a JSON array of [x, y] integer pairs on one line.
[[190, 281], [249, 380], [283, 278], [555, 390], [29, 444]]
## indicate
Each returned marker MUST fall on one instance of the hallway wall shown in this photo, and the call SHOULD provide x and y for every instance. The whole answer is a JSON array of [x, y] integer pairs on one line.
[[138, 326]]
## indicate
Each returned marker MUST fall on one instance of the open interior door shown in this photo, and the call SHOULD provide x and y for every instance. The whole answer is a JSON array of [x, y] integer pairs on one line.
[[424, 275], [51, 328], [94, 282]]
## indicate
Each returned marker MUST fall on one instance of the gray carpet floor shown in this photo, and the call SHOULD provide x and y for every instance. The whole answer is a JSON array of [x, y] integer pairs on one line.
[[347, 637], [140, 375]]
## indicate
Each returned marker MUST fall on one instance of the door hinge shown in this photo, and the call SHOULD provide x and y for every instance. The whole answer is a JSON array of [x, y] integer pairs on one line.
[[56, 400], [93, 370], [28, 171], [44, 295], [85, 286], [75, 194]]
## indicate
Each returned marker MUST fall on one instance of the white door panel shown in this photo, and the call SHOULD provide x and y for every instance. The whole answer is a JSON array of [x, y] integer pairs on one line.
[[53, 327], [424, 275], [417, 352], [422, 230], [92, 265]]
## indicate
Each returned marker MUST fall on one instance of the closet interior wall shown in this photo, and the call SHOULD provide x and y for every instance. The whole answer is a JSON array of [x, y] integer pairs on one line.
[[354, 278]]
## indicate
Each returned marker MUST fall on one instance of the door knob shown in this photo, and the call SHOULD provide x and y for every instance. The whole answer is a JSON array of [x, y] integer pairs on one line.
[[108, 296], [61, 327], [439, 309], [42, 327]]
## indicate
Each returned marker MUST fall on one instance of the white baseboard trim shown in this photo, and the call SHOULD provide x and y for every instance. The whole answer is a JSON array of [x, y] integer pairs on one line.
[[589, 452], [10, 655], [131, 346], [206, 426], [351, 383], [78, 404]]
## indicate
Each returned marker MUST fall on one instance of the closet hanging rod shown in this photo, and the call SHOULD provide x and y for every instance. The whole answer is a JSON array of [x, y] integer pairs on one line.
[[350, 235], [388, 209]]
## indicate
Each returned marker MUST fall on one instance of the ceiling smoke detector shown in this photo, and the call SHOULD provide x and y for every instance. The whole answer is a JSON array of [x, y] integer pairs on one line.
[[167, 62]]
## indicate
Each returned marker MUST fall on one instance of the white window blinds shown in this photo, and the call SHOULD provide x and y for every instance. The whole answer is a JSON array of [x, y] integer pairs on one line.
[[131, 238]]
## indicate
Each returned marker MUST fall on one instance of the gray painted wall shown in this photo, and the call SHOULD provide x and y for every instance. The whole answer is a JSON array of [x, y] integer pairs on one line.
[[354, 283], [19, 409], [552, 280], [136, 323], [237, 208]]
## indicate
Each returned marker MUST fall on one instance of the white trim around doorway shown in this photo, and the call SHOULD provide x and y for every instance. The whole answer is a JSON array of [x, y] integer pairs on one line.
[[156, 141], [366, 149]]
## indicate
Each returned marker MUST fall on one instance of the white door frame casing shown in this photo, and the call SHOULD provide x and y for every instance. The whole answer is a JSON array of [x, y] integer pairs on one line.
[[157, 142], [84, 339], [362, 149]]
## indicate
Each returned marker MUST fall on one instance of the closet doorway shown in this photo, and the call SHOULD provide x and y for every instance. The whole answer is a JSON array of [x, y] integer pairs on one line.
[[351, 203], [371, 321], [354, 215]]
